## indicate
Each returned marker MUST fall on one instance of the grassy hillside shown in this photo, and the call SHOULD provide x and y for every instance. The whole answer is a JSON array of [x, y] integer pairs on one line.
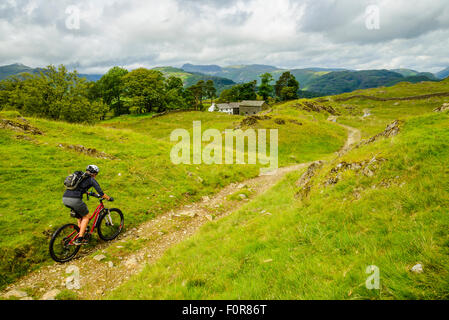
[[135, 169], [382, 112], [290, 244]]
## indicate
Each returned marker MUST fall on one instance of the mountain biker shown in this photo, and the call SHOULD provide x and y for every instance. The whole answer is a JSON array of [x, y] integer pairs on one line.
[[73, 199]]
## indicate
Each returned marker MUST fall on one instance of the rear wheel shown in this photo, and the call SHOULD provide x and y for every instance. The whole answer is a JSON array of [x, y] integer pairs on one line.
[[61, 250], [110, 224]]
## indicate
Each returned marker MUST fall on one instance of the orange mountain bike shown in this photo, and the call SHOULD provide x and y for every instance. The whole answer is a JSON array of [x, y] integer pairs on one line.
[[109, 223]]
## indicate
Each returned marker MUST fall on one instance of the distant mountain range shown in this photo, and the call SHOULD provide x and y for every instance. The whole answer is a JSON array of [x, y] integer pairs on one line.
[[443, 74], [321, 80], [18, 68]]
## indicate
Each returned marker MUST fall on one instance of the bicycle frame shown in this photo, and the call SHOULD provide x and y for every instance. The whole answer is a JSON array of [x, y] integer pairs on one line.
[[95, 215]]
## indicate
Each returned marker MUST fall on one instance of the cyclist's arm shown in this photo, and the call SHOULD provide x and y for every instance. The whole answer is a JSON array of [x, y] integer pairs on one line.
[[100, 192]]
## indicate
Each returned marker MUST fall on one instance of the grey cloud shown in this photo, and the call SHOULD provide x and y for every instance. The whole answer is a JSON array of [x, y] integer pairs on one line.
[[137, 32], [344, 21]]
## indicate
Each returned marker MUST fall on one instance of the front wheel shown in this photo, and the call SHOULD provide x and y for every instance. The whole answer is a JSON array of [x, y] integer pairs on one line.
[[110, 224], [62, 248]]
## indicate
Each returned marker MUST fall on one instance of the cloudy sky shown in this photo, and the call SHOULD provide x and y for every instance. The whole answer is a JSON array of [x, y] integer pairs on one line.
[[95, 35]]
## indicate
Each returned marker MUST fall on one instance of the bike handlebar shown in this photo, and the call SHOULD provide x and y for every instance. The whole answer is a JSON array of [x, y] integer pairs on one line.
[[96, 195]]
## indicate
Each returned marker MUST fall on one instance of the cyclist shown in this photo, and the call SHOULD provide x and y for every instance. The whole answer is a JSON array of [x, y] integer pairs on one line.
[[73, 199]]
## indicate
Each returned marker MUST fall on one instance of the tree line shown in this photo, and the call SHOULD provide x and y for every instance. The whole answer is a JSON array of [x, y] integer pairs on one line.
[[59, 94], [285, 88]]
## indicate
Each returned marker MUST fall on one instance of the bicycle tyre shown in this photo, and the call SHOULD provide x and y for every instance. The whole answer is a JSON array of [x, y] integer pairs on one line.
[[101, 228], [55, 256]]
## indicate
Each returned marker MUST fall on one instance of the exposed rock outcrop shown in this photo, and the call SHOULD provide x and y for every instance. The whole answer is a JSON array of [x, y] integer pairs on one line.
[[366, 167], [444, 107], [295, 122], [279, 121], [391, 131], [304, 183], [312, 106], [88, 151], [252, 120], [21, 126]]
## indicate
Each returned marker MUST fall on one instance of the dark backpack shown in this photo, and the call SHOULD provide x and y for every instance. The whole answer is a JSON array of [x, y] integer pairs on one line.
[[72, 181]]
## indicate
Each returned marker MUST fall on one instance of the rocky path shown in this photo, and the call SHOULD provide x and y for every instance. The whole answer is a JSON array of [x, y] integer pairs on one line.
[[103, 268], [354, 136]]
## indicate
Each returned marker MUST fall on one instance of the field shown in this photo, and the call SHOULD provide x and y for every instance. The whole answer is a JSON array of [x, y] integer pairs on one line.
[[320, 244], [135, 169], [382, 204]]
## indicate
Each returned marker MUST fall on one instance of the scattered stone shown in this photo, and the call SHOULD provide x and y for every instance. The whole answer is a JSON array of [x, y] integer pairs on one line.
[[119, 174], [130, 263], [205, 199], [199, 179], [110, 264], [241, 186], [191, 214], [15, 293], [267, 260], [100, 257], [242, 196], [366, 113], [209, 217], [417, 268], [50, 295]]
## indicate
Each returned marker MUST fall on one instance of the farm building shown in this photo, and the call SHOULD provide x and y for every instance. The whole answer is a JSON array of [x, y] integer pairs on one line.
[[245, 107]]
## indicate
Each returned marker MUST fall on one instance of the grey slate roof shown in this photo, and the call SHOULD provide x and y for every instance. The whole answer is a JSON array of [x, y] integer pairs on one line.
[[252, 103], [231, 105]]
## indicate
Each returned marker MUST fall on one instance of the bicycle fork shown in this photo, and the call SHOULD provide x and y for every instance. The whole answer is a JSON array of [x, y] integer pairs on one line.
[[108, 218]]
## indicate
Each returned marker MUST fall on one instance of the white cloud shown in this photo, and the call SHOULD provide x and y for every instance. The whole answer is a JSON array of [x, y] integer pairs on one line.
[[286, 33]]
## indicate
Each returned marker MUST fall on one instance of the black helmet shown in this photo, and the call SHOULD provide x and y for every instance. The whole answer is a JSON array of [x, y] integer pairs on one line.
[[92, 168]]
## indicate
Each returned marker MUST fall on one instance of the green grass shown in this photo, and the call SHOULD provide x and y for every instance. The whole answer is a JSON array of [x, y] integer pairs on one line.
[[67, 295], [383, 112], [143, 180], [320, 247]]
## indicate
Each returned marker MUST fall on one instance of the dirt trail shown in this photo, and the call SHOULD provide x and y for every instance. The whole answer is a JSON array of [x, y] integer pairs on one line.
[[128, 254], [354, 136]]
